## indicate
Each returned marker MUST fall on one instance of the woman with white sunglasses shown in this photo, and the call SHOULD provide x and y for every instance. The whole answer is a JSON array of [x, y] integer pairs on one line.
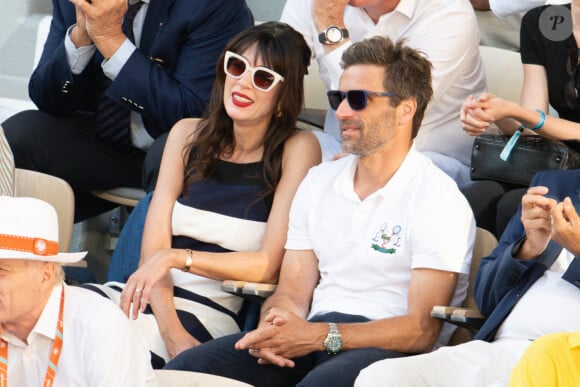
[[221, 204]]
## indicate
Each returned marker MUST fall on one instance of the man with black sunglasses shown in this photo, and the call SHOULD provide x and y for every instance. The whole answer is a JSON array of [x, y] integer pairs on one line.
[[445, 30], [368, 251]]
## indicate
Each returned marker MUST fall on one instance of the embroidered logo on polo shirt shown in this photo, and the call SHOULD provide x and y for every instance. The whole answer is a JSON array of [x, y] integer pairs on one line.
[[387, 239]]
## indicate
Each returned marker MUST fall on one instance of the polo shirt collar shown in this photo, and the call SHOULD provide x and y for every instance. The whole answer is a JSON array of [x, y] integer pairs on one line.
[[344, 183], [407, 8], [397, 184]]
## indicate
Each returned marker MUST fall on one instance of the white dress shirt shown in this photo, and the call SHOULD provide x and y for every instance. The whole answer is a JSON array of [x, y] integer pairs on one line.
[[503, 8], [446, 31], [100, 347]]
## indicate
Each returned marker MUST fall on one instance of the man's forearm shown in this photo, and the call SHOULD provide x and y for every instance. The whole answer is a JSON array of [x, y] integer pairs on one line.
[[406, 334]]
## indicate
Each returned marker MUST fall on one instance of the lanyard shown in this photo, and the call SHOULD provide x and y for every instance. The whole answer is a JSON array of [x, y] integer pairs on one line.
[[54, 352]]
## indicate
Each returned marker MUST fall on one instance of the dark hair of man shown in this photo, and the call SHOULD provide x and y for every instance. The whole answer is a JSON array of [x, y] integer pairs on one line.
[[407, 71], [282, 49]]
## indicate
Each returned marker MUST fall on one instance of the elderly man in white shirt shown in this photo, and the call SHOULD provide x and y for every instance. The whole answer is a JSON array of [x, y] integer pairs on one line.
[[52, 334], [445, 30]]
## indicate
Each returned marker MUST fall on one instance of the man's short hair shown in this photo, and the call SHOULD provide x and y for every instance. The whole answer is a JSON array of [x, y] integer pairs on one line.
[[407, 71]]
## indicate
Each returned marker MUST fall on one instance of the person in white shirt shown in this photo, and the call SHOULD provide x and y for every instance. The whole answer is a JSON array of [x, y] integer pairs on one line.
[[368, 251], [504, 8], [52, 334], [445, 30], [501, 27], [528, 287]]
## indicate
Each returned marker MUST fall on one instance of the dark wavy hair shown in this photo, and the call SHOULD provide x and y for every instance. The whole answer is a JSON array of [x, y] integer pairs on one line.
[[282, 49]]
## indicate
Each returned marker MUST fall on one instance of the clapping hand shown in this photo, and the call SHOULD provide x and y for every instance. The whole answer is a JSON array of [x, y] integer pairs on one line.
[[537, 221], [102, 20], [566, 226]]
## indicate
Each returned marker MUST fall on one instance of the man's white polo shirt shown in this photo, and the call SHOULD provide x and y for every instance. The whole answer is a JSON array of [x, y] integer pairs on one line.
[[367, 249]]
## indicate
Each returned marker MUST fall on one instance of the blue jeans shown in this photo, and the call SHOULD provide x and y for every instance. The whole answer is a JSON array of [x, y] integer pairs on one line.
[[125, 259], [219, 357]]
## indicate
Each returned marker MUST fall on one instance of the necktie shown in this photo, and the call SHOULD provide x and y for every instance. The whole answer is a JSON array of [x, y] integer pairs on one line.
[[113, 119]]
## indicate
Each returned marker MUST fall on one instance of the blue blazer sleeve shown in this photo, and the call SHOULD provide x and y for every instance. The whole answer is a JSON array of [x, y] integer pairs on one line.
[[168, 78], [52, 86], [500, 272]]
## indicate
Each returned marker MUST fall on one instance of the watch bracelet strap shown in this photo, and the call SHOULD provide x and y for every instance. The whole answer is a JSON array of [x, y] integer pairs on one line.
[[332, 328]]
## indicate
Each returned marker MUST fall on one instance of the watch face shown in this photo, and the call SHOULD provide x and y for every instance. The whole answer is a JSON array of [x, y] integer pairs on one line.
[[333, 343], [334, 35]]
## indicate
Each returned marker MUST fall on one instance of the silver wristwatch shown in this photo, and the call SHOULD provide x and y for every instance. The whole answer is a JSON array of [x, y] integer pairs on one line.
[[333, 35], [333, 340]]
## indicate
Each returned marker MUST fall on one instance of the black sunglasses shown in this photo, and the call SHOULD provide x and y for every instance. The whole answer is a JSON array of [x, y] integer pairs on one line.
[[572, 87], [357, 99]]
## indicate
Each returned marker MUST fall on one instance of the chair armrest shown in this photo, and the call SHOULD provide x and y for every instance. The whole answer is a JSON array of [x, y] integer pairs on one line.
[[442, 312], [252, 290], [233, 287], [470, 319], [258, 289]]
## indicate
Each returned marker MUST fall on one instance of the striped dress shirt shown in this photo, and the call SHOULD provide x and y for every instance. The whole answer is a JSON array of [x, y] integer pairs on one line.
[[6, 167]]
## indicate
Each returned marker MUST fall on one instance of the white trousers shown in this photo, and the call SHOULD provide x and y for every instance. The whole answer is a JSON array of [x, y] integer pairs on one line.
[[473, 364]]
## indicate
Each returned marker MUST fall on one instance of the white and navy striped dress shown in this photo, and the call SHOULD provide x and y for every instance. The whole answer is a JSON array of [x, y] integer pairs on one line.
[[219, 214]]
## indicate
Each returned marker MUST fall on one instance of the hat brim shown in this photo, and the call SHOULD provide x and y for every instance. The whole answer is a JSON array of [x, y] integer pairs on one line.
[[60, 257]]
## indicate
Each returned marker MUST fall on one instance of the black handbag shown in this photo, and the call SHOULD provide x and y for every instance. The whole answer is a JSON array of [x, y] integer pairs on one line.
[[529, 155]]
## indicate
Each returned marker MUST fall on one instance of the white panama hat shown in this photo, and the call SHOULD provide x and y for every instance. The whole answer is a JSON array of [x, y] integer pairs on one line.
[[29, 230]]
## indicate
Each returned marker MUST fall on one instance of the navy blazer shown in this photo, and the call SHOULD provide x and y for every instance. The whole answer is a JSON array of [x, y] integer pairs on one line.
[[167, 78], [502, 279]]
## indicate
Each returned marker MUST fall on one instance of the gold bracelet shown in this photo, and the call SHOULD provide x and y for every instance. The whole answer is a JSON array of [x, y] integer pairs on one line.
[[188, 260]]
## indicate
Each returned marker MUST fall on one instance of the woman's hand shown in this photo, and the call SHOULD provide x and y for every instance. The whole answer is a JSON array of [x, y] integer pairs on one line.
[[474, 119], [178, 340], [138, 288]]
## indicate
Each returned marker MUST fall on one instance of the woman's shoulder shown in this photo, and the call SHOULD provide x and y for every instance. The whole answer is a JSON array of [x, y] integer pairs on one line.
[[303, 143], [187, 124], [184, 127], [301, 138]]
